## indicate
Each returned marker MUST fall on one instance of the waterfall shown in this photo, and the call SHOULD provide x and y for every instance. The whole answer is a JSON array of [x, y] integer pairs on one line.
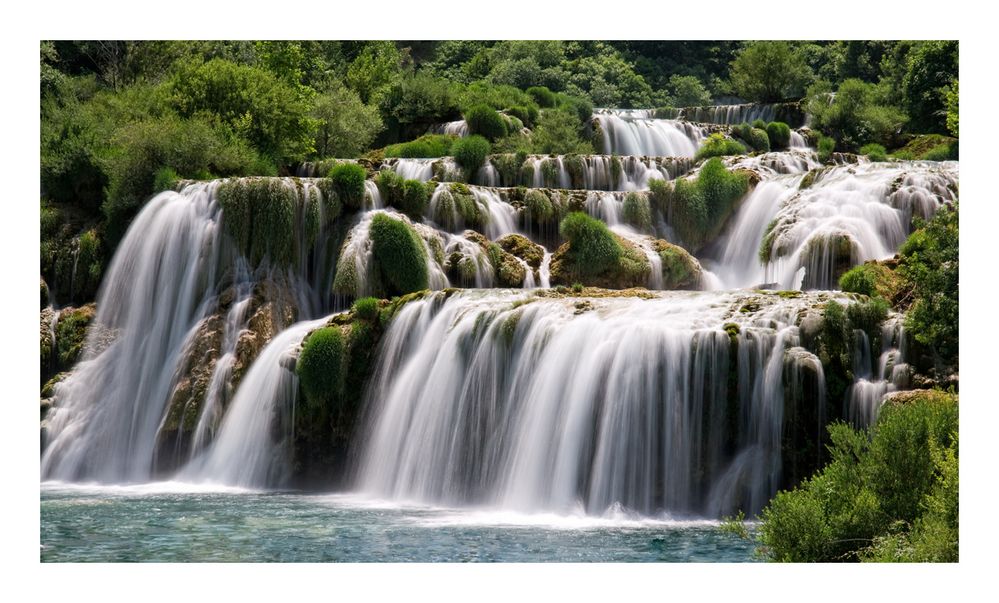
[[247, 452], [636, 132], [483, 399], [875, 378], [414, 169], [157, 288], [454, 128]]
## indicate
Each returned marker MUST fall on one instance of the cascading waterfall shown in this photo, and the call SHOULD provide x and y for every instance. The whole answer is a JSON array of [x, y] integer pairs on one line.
[[637, 132], [877, 377], [454, 128], [483, 399]]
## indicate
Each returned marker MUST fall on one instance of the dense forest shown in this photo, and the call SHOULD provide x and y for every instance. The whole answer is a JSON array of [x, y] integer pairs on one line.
[[528, 120]]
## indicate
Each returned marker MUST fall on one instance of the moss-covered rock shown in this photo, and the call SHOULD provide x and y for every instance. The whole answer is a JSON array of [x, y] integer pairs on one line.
[[399, 254], [44, 294], [523, 248], [876, 279], [46, 342], [71, 333], [680, 269], [629, 268]]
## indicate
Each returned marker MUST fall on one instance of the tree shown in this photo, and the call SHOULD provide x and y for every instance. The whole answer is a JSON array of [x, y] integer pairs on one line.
[[688, 91], [558, 132], [932, 67], [952, 105], [378, 65], [769, 71], [345, 125], [856, 116]]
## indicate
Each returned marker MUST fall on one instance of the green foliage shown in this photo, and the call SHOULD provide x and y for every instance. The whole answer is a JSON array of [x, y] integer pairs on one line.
[[428, 145], [544, 97], [636, 211], [539, 207], [399, 252], [374, 69], [943, 152], [259, 215], [348, 182], [825, 147], [860, 279], [366, 308], [558, 132], [697, 208], [71, 334], [577, 288], [414, 198], [929, 264], [779, 134], [952, 100], [165, 179], [897, 477], [756, 138], [932, 66], [718, 145], [591, 244], [874, 152], [470, 153], [415, 102], [345, 126], [769, 71], [249, 102], [485, 121], [320, 367], [857, 114], [688, 91]]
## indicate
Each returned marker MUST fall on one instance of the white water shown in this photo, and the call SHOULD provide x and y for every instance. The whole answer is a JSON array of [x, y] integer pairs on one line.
[[599, 409], [245, 453], [414, 169], [636, 132], [876, 378]]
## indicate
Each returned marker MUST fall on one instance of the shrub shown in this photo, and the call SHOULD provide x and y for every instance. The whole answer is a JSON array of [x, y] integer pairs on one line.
[[636, 211], [557, 132], [697, 208], [165, 179], [485, 121], [898, 476], [929, 264], [859, 279], [522, 113], [718, 145], [544, 97], [428, 145], [826, 147], [759, 124], [470, 153], [401, 257], [539, 207], [345, 126], [389, 186], [769, 71], [260, 217], [348, 182], [941, 152], [856, 114], [366, 308], [320, 367], [591, 243], [414, 198], [874, 152], [779, 134]]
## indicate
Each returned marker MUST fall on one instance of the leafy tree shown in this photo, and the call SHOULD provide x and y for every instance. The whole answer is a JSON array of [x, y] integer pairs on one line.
[[414, 102], [856, 115], [377, 66], [932, 67], [952, 106], [688, 91], [345, 126], [769, 71]]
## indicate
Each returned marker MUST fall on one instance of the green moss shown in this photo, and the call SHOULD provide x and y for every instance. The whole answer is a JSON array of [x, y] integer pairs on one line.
[[874, 152], [779, 134], [718, 145], [259, 215], [428, 145], [592, 246], [470, 152], [320, 367], [576, 167], [399, 253], [680, 269], [485, 121], [366, 308], [165, 179], [523, 248], [766, 245], [617, 170], [413, 199], [71, 334], [539, 207], [826, 146], [698, 208], [348, 182], [755, 137], [637, 212], [550, 173]]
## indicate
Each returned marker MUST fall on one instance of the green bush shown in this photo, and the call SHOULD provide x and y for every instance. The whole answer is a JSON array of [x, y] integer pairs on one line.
[[779, 134], [165, 179], [769, 71], [539, 207], [485, 121], [759, 124], [591, 244], [399, 252], [320, 367], [941, 152], [558, 132], [366, 308], [874, 152], [470, 153], [544, 97], [389, 186], [899, 476], [826, 147], [636, 211], [259, 215], [428, 145], [348, 182], [414, 198], [522, 113], [857, 114], [345, 126], [929, 264], [696, 208], [718, 145], [860, 279]]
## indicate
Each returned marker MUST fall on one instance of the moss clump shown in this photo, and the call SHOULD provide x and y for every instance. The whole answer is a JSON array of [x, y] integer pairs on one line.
[[470, 153], [523, 248], [509, 165], [413, 199], [930, 147], [874, 279], [366, 308], [825, 147], [544, 97], [259, 215], [617, 170], [637, 212], [680, 269], [779, 134], [71, 333], [697, 209], [874, 152], [540, 209], [485, 121], [399, 253], [320, 367], [576, 168], [755, 137], [165, 179], [428, 145], [593, 247], [718, 145], [348, 181]]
